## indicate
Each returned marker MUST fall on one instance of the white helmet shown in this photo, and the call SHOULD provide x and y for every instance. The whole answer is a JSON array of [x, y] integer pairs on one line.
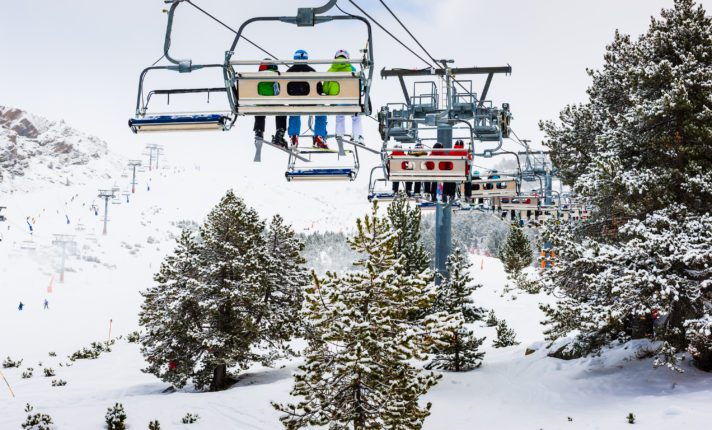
[[342, 53]]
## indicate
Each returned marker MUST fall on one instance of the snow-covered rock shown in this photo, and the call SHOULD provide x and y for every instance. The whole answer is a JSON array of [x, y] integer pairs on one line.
[[36, 152]]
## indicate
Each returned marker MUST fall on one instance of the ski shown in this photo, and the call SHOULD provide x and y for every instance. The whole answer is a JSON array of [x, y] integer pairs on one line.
[[259, 142]]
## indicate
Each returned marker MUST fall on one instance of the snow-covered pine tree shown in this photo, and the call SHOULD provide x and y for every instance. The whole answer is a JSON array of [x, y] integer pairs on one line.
[[406, 219], [505, 336], [280, 319], [357, 372], [233, 287], [454, 297], [639, 151], [226, 300], [171, 315], [516, 254]]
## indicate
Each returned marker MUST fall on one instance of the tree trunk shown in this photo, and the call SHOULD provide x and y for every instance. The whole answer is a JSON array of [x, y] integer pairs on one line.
[[219, 378]]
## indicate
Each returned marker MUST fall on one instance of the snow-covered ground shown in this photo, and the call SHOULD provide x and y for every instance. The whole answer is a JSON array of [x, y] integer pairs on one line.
[[510, 390]]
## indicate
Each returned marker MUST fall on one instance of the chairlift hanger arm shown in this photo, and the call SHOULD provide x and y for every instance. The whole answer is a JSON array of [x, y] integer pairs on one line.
[[386, 73], [184, 64]]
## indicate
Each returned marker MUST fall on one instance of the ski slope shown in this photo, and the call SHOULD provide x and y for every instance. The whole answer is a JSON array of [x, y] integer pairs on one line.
[[103, 280]]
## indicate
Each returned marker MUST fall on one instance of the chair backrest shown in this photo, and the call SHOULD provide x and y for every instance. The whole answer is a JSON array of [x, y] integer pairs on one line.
[[306, 101], [439, 168]]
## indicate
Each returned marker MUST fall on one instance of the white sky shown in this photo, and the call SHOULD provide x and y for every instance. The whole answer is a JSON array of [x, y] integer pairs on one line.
[[79, 60]]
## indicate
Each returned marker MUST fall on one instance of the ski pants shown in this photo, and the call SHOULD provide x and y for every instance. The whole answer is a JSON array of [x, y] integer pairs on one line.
[[295, 126], [356, 126], [280, 123]]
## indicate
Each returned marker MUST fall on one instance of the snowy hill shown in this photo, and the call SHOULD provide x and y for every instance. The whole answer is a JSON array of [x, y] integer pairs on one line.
[[105, 274], [35, 152]]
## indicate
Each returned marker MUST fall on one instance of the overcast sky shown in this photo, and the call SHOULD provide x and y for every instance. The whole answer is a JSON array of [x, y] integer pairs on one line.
[[79, 60]]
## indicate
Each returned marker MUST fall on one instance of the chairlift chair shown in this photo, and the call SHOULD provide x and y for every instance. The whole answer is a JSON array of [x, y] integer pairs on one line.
[[148, 121], [298, 172], [353, 98]]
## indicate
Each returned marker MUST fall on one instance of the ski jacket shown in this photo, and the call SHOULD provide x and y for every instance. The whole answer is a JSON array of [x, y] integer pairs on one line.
[[267, 88], [331, 88], [298, 88]]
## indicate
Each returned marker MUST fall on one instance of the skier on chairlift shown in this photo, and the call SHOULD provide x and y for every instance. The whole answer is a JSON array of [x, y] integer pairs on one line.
[[331, 88], [270, 89], [302, 89]]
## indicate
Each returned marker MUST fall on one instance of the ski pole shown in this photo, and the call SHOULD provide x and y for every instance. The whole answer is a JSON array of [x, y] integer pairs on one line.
[[110, 321]]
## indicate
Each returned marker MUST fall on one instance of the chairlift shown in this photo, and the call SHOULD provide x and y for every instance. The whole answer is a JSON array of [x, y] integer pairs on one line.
[[28, 245], [353, 98], [297, 172], [146, 120]]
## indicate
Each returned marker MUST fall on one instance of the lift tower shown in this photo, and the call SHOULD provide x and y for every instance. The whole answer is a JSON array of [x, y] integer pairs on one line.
[[106, 195], [63, 241], [460, 109], [133, 164]]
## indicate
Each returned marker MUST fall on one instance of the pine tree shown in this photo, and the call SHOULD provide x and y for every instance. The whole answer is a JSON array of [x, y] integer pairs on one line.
[[638, 150], [116, 417], [286, 278], [171, 315], [516, 254], [505, 336], [406, 220], [227, 299], [357, 372], [454, 297]]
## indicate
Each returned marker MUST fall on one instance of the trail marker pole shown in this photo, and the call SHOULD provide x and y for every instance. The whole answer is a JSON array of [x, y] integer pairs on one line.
[[8, 385]]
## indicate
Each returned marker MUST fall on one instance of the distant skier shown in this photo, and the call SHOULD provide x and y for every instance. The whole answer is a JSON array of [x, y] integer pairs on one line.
[[21, 306], [46, 304]]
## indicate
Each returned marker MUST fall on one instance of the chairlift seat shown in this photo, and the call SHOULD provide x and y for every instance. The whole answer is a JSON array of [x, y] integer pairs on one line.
[[485, 188], [382, 196], [180, 123], [520, 203], [324, 174]]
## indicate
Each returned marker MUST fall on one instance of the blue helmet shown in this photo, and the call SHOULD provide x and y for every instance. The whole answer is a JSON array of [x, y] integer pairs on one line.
[[301, 54]]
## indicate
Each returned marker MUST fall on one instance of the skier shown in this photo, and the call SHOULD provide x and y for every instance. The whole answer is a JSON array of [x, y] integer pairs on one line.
[[46, 304], [331, 88], [460, 151], [432, 187], [302, 89], [270, 89], [21, 306]]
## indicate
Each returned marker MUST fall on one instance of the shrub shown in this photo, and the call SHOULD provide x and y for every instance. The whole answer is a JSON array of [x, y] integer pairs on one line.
[[134, 337], [115, 417], [59, 383], [48, 372], [27, 373], [190, 418], [154, 425], [10, 363]]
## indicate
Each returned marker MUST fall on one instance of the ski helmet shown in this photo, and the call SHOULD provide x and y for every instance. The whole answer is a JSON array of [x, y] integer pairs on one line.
[[301, 54], [341, 53]]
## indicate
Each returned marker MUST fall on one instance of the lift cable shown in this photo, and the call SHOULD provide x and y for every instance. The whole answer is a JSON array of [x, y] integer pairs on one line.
[[387, 32], [229, 28], [468, 92], [408, 31]]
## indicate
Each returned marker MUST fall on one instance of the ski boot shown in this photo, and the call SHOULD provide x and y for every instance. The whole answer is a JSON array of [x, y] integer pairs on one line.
[[319, 142], [294, 140], [278, 138]]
